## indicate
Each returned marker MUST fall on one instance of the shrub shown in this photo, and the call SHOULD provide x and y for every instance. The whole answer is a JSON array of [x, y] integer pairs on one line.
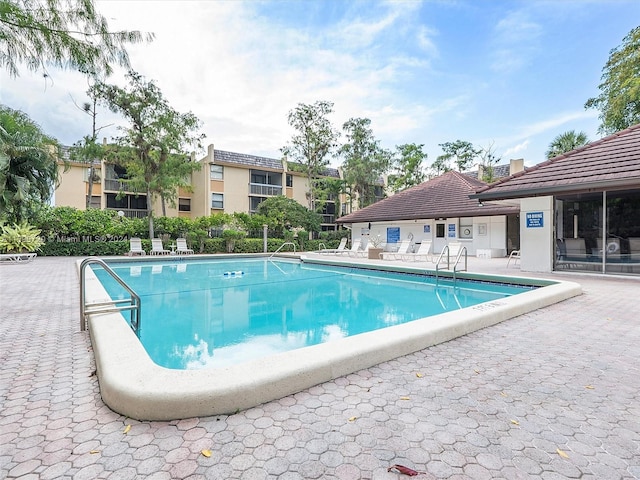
[[21, 238]]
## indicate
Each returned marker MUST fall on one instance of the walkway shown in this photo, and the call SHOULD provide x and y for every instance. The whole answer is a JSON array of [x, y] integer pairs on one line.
[[552, 394]]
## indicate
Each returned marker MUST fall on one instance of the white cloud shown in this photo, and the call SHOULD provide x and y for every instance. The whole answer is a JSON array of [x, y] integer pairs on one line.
[[516, 40], [516, 149]]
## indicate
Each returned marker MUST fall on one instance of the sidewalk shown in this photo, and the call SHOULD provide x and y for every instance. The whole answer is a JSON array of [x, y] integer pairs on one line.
[[551, 394]]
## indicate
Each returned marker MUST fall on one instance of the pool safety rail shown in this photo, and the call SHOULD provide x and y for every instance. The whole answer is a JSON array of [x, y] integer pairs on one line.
[[445, 250], [131, 304], [281, 246]]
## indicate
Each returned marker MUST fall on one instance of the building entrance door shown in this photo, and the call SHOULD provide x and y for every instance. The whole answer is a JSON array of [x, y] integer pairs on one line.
[[439, 239]]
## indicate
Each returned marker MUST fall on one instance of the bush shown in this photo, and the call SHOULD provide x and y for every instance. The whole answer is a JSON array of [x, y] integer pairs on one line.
[[22, 238]]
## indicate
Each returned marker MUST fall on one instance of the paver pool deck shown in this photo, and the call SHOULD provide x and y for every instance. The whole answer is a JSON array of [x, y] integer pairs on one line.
[[551, 394]]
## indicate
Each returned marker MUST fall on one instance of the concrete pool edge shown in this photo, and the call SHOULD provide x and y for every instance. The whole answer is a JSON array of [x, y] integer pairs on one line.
[[131, 384]]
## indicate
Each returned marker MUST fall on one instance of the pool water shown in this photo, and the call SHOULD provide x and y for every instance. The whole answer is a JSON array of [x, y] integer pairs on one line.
[[215, 313]]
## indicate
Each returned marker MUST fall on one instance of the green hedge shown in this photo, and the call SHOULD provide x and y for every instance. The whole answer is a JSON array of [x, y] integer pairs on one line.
[[210, 245]]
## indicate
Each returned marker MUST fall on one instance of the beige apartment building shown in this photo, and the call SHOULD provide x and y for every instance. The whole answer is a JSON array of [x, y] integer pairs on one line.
[[226, 182]]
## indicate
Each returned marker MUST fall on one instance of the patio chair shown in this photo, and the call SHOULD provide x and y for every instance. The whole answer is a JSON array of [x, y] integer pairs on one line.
[[515, 256], [181, 247], [157, 248], [397, 255], [422, 252], [135, 247], [355, 246], [363, 253], [340, 249]]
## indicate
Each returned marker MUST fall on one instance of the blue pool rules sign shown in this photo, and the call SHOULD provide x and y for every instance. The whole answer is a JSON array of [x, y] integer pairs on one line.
[[535, 219]]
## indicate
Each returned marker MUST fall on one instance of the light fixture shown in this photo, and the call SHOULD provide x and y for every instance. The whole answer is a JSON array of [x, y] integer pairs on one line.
[[480, 204]]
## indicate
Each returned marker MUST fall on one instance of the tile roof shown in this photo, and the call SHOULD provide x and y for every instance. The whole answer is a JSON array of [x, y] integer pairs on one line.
[[222, 156], [499, 171], [326, 172], [612, 162], [443, 196]]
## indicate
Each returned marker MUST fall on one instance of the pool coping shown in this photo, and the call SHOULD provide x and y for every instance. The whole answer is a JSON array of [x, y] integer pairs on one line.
[[132, 385]]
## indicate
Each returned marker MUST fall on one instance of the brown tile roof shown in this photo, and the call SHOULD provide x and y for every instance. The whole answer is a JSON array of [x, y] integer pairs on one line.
[[222, 156], [441, 197], [610, 163]]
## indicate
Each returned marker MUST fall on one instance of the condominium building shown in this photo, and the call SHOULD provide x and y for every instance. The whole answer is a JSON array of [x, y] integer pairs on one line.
[[225, 182]]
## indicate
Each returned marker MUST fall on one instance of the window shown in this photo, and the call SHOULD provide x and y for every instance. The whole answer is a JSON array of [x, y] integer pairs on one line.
[[254, 202], [114, 202], [466, 228], [216, 172], [439, 230], [217, 200], [266, 178], [184, 204], [96, 174], [289, 180], [95, 201], [127, 202]]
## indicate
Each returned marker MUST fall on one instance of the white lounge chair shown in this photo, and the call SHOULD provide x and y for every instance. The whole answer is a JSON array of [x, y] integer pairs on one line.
[[181, 247], [157, 248], [135, 247], [355, 246], [361, 252], [402, 250], [340, 249], [422, 252]]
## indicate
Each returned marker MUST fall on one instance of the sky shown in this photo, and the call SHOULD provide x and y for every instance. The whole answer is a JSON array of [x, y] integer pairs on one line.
[[506, 75]]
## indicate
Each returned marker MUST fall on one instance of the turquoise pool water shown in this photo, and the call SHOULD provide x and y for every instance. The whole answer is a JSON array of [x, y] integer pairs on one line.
[[214, 313]]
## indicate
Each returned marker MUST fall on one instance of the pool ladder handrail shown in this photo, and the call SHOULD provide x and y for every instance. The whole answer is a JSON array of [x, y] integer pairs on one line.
[[132, 303], [462, 251], [280, 248]]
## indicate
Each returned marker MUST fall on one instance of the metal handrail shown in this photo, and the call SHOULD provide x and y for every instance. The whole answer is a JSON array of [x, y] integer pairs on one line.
[[455, 264], [111, 305], [280, 247]]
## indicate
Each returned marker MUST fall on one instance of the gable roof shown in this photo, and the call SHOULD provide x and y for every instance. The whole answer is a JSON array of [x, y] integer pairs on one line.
[[611, 163], [441, 197]]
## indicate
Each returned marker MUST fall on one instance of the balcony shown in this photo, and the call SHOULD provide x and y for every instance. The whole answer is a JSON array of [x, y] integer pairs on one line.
[[129, 213], [265, 190], [328, 219], [114, 185]]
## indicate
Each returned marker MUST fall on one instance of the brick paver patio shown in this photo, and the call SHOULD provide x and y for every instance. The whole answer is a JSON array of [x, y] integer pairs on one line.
[[551, 394]]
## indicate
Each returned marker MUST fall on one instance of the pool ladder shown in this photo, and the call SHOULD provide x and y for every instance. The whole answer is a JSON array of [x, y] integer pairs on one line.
[[132, 303], [462, 251], [281, 246]]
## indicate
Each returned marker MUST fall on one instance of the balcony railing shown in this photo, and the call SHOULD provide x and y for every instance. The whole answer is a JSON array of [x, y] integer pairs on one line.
[[328, 219], [129, 213], [115, 185], [264, 189]]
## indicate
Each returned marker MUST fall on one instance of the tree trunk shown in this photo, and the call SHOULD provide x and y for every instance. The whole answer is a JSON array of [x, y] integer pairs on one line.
[[150, 214], [92, 172]]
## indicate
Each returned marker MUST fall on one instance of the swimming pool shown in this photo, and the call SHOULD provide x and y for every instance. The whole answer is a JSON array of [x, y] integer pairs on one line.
[[217, 313], [133, 385]]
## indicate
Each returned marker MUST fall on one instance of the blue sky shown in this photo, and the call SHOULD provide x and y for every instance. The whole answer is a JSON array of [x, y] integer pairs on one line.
[[512, 74]]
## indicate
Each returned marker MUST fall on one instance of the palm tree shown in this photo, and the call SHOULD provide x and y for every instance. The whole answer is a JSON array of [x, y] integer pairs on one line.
[[28, 168], [565, 142]]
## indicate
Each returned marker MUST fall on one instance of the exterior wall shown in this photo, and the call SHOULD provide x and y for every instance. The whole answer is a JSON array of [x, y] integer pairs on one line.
[[72, 190], [536, 242], [201, 196], [489, 236], [300, 188], [489, 233], [235, 190]]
